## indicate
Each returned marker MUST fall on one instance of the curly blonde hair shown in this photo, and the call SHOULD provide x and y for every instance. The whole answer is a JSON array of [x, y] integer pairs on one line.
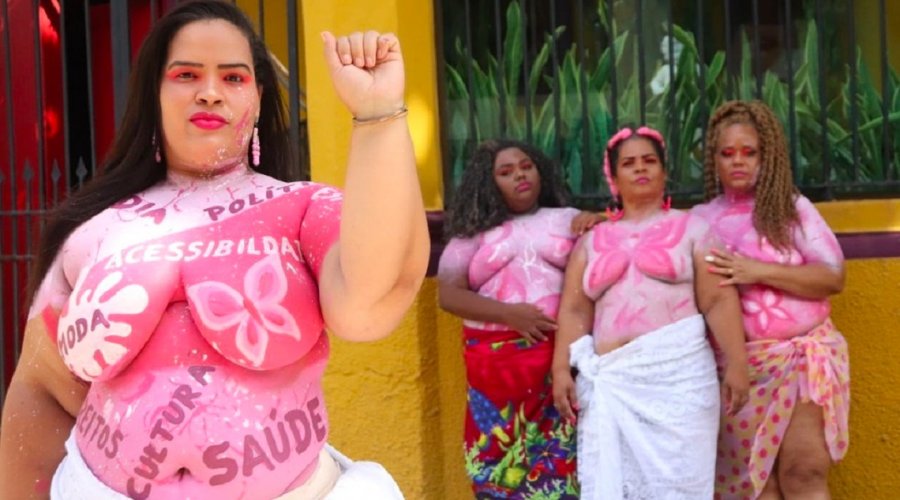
[[775, 211]]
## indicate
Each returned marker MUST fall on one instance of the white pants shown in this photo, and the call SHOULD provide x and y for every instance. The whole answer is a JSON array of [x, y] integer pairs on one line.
[[336, 478]]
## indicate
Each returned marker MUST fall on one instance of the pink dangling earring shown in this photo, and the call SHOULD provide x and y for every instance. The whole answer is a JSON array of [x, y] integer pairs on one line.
[[667, 203], [254, 146], [156, 147]]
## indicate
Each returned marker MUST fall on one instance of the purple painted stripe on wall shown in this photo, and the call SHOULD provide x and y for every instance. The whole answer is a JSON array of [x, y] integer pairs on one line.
[[855, 245], [436, 230], [870, 245]]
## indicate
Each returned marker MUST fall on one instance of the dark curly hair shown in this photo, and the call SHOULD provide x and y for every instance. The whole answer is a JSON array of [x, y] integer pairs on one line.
[[477, 204], [775, 211]]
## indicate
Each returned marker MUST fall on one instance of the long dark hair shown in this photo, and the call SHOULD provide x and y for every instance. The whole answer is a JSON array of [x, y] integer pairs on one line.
[[131, 166], [478, 205]]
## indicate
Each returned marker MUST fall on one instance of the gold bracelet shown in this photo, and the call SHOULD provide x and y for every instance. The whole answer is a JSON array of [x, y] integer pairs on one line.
[[400, 113]]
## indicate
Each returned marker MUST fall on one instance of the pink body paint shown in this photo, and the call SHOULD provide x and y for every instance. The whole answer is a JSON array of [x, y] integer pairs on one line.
[[522, 260], [640, 274], [203, 337], [770, 313]]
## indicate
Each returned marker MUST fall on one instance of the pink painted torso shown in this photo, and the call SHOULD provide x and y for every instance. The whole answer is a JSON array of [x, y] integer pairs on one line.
[[522, 260], [641, 274], [194, 312], [770, 313]]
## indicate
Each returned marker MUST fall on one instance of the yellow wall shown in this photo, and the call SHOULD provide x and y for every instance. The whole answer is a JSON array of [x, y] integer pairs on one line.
[[401, 401], [868, 32], [862, 216], [382, 396], [868, 313], [330, 123]]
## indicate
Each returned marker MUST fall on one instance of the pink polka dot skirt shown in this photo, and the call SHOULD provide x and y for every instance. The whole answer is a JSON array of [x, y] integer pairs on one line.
[[812, 367]]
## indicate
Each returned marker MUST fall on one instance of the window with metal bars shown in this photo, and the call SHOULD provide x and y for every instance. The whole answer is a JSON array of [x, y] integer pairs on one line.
[[565, 75]]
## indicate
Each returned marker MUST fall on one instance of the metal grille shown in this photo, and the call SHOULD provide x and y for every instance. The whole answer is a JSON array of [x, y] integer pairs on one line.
[[565, 75], [57, 116]]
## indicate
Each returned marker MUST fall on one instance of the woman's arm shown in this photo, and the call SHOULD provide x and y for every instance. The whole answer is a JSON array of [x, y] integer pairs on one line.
[[41, 404], [371, 276], [821, 275], [576, 318], [584, 221], [721, 307], [456, 297], [811, 281]]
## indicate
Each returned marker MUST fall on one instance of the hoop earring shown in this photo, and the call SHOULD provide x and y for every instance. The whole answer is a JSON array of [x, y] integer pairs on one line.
[[254, 146]]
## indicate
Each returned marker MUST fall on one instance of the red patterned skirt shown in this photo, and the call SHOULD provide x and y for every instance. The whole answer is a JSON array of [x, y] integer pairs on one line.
[[516, 444]]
